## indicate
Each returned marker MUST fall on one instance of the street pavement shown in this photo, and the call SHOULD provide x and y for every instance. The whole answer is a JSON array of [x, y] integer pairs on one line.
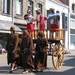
[[68, 67]]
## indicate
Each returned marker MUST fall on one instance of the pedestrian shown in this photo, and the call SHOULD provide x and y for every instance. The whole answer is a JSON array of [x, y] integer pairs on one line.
[[4, 44], [30, 26], [26, 50], [40, 59], [12, 49], [1, 46], [40, 20]]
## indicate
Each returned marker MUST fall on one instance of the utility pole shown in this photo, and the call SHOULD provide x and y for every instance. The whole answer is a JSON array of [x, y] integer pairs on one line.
[[68, 25]]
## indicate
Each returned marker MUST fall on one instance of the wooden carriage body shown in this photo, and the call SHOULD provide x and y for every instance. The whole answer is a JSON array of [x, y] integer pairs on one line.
[[54, 36]]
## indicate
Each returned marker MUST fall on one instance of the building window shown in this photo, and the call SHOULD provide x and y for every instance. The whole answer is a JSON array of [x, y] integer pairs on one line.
[[72, 31], [72, 24], [72, 39], [39, 6], [73, 7], [6, 6], [19, 7], [64, 21], [30, 2], [72, 16]]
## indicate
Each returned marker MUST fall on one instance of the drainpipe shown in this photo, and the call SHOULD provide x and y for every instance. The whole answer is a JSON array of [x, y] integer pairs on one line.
[[12, 12], [68, 25]]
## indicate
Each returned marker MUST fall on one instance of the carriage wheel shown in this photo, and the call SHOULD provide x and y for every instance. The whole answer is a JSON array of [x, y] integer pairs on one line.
[[58, 56]]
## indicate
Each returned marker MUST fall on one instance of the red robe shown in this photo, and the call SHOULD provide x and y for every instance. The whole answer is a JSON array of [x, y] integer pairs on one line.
[[41, 21], [55, 26], [30, 25]]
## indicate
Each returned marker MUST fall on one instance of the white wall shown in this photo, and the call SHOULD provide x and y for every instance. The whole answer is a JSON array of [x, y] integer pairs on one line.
[[5, 18], [72, 46]]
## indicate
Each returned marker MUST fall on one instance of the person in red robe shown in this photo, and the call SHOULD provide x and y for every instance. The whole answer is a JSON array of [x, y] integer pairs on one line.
[[40, 20]]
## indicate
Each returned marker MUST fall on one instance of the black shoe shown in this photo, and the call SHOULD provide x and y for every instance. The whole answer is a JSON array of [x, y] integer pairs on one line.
[[10, 71]]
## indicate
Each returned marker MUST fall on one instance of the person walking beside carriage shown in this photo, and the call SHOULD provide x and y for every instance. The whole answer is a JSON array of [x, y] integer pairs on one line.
[[26, 50], [12, 49], [40, 59]]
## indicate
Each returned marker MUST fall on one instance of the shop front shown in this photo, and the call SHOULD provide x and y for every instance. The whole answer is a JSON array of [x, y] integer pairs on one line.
[[5, 31]]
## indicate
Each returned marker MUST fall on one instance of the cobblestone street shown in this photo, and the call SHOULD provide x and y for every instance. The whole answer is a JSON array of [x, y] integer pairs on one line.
[[68, 67]]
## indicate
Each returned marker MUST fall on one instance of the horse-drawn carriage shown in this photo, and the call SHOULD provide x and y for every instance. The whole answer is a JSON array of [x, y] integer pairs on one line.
[[54, 37]]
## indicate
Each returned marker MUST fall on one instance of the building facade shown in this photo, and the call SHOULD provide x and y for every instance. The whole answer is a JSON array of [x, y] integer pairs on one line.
[[72, 24], [71, 12], [12, 14], [66, 9], [14, 10], [58, 5]]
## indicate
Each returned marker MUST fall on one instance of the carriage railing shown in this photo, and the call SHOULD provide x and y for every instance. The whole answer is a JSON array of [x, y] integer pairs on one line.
[[52, 34], [57, 34]]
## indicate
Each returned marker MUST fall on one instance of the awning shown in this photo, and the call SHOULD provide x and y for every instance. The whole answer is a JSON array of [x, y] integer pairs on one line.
[[5, 27]]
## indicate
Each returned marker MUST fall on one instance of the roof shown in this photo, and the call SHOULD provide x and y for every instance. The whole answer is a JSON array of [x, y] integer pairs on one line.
[[65, 2], [60, 1]]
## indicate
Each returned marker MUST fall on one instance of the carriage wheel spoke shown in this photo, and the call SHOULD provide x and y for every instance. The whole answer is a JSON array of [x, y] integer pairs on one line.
[[58, 56]]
